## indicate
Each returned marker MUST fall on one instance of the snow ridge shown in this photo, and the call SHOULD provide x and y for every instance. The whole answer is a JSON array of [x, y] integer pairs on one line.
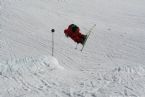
[[44, 76]]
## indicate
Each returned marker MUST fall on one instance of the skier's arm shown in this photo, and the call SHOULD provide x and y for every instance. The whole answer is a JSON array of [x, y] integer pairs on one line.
[[66, 33]]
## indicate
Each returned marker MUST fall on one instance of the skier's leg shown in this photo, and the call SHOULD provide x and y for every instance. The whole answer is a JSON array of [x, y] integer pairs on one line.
[[83, 39]]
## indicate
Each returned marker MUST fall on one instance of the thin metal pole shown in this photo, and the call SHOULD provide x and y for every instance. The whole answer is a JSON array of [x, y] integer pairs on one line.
[[52, 30]]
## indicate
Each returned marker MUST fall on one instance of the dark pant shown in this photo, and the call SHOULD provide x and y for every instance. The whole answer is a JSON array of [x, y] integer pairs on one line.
[[83, 39]]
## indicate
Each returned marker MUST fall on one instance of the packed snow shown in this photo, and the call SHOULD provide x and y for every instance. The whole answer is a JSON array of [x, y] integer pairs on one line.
[[112, 64]]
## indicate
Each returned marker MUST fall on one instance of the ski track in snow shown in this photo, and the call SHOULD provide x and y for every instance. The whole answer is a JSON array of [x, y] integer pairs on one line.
[[44, 76], [111, 65]]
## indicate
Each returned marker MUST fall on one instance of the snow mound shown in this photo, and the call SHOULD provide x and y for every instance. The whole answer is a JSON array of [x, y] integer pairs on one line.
[[43, 76], [50, 62], [30, 64], [29, 76]]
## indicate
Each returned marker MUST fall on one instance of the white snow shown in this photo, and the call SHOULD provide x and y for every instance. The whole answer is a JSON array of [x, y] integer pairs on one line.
[[111, 65]]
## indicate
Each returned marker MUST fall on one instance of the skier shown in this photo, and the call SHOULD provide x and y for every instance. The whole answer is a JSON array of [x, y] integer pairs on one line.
[[73, 32]]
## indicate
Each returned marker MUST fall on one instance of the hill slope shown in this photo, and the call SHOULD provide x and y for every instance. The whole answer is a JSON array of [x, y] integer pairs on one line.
[[112, 63]]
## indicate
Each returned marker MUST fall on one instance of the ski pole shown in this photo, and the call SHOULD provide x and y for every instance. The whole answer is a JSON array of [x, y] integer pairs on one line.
[[76, 46]]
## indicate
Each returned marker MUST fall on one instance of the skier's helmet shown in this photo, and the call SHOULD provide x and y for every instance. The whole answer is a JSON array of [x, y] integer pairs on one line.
[[73, 27]]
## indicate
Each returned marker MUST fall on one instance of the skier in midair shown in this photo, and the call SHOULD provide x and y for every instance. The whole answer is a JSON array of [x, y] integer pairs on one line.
[[73, 32]]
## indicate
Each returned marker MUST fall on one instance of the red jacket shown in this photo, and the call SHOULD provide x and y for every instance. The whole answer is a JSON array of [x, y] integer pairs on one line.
[[76, 36]]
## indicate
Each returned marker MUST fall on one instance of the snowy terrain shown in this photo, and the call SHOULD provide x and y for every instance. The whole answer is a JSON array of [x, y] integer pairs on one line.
[[112, 63]]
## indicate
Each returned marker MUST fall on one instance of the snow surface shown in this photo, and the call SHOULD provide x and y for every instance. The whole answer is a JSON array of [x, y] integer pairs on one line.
[[111, 65]]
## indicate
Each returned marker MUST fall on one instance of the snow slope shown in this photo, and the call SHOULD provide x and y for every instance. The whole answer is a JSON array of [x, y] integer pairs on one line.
[[111, 65]]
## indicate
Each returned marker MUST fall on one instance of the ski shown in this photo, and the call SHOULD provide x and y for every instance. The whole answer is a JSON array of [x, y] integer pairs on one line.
[[88, 34]]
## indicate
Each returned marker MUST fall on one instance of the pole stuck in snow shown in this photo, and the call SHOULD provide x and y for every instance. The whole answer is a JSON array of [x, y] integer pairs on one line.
[[52, 30]]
